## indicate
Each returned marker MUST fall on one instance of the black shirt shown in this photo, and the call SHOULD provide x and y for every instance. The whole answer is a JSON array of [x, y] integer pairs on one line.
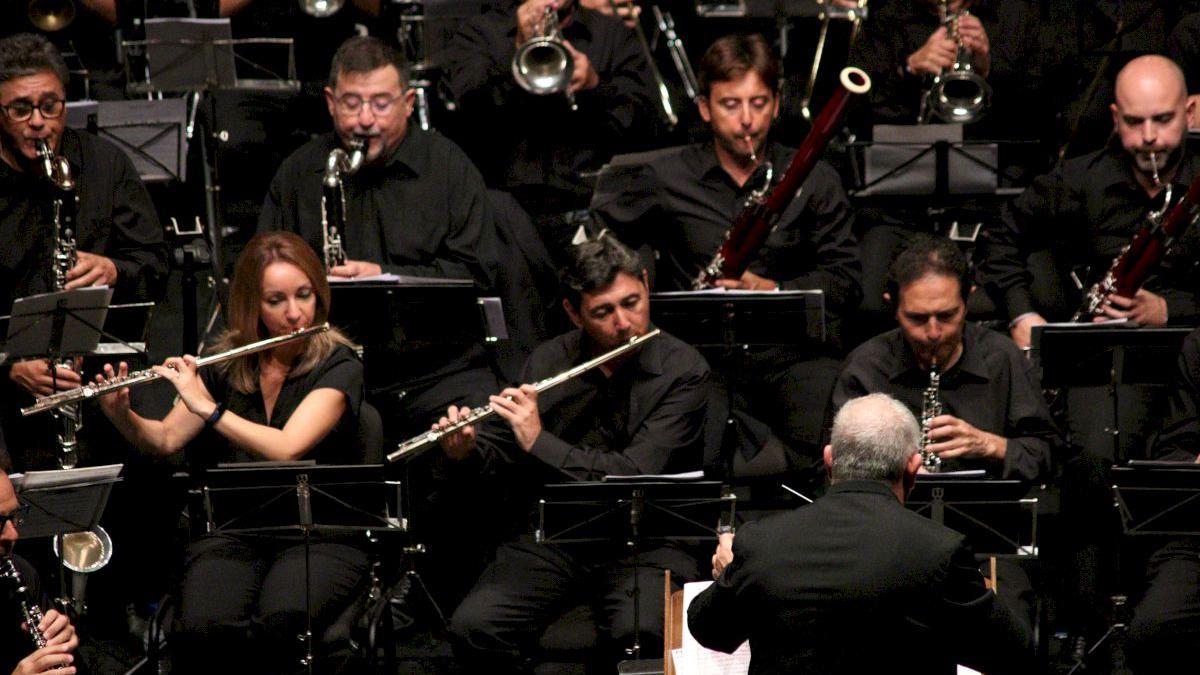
[[647, 418], [1184, 47], [1085, 212], [535, 146], [115, 219], [899, 29], [422, 213], [682, 202], [992, 387], [341, 371], [1180, 436]]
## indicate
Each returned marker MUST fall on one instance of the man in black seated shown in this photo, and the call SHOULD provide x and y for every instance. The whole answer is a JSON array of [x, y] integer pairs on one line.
[[806, 586], [416, 207], [18, 654], [994, 416], [641, 413], [682, 202], [1166, 621]]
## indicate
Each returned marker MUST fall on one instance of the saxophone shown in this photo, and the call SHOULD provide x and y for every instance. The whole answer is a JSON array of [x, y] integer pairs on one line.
[[931, 407], [65, 255], [31, 612], [338, 165]]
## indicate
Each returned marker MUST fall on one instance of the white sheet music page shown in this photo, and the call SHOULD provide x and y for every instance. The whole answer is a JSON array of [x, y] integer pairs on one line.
[[699, 660]]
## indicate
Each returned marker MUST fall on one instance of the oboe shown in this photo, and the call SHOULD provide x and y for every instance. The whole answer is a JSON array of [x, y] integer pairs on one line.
[[931, 407], [418, 444], [31, 612], [88, 391]]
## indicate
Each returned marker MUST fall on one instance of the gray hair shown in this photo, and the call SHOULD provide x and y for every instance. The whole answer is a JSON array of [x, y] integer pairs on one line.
[[28, 54], [873, 438]]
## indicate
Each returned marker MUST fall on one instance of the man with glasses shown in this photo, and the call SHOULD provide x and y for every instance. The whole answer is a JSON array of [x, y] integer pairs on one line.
[[116, 229], [17, 655]]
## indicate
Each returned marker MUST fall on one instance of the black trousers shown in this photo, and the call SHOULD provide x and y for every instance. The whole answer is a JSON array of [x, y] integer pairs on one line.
[[497, 626], [1166, 622], [243, 601]]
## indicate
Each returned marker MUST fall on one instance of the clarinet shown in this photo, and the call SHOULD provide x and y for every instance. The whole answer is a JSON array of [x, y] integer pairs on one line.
[[1144, 252], [758, 219], [31, 612], [931, 407], [65, 255]]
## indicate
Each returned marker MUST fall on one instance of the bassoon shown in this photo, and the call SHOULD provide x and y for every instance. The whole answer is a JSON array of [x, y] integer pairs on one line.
[[1144, 252], [762, 211]]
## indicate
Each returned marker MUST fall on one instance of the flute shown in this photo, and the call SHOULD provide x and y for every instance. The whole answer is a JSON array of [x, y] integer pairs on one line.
[[94, 389], [418, 444]]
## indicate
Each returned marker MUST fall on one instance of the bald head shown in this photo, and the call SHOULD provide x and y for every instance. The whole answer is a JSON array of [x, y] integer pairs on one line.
[[1150, 115], [874, 437]]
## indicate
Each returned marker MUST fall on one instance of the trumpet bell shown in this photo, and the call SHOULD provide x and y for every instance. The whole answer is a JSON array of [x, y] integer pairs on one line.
[[321, 8], [51, 15], [543, 66], [961, 97]]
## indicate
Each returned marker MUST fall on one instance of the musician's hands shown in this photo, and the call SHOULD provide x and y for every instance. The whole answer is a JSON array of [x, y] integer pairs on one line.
[[518, 405], [91, 270], [55, 659], [458, 445], [953, 438], [749, 282], [182, 372], [1146, 308], [584, 76], [529, 16], [1022, 330], [628, 10], [114, 404], [34, 377], [938, 53], [356, 268], [975, 38], [57, 629], [724, 553]]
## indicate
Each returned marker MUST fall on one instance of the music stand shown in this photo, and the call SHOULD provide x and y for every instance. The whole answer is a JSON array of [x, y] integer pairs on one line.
[[998, 517], [927, 159], [57, 325], [735, 319], [636, 511], [151, 132], [1158, 498], [64, 502], [277, 497], [1112, 354]]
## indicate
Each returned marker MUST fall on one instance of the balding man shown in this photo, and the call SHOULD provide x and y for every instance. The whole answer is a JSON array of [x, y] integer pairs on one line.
[[855, 583], [1086, 210]]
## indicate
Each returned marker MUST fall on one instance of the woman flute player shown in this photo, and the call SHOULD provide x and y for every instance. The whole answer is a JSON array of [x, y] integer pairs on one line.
[[242, 598]]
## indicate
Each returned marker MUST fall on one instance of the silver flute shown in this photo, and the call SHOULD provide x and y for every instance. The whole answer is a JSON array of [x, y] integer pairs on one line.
[[931, 407], [419, 444], [89, 391], [31, 612]]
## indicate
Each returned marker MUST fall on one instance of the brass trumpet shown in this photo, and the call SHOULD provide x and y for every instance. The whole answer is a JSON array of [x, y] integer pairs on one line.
[[51, 15], [959, 95], [543, 65]]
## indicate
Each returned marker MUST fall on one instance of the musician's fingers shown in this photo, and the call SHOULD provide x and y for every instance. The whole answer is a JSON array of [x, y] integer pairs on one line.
[[504, 404], [530, 392]]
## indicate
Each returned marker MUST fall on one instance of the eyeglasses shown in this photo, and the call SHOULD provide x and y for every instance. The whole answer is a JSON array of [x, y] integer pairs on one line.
[[350, 104], [22, 109], [17, 517]]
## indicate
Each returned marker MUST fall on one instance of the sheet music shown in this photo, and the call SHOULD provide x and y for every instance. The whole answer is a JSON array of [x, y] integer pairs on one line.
[[672, 477], [403, 280], [720, 290], [43, 479], [698, 660]]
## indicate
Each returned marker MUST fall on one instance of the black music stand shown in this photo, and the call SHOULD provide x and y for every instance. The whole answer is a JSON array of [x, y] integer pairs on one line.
[[1158, 498], [736, 319], [1111, 354], [636, 511], [998, 517], [278, 498]]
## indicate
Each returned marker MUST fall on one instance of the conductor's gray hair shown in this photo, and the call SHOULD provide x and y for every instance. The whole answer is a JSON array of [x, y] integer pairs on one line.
[[873, 438]]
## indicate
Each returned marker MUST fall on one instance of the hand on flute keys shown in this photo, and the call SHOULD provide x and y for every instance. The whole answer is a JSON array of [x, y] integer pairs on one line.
[[457, 445], [114, 404], [183, 372]]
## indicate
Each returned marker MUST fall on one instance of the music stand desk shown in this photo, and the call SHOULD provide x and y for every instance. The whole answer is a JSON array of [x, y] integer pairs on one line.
[[721, 318], [1086, 354], [1158, 498], [998, 517], [66, 500]]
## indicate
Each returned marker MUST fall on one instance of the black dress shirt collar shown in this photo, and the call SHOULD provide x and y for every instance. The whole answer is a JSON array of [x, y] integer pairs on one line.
[[408, 158], [580, 349], [876, 487], [971, 364]]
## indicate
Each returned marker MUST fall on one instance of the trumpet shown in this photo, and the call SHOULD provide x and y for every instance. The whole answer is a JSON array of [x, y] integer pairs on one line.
[[418, 444], [959, 95], [90, 391], [543, 65], [321, 8], [338, 165]]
